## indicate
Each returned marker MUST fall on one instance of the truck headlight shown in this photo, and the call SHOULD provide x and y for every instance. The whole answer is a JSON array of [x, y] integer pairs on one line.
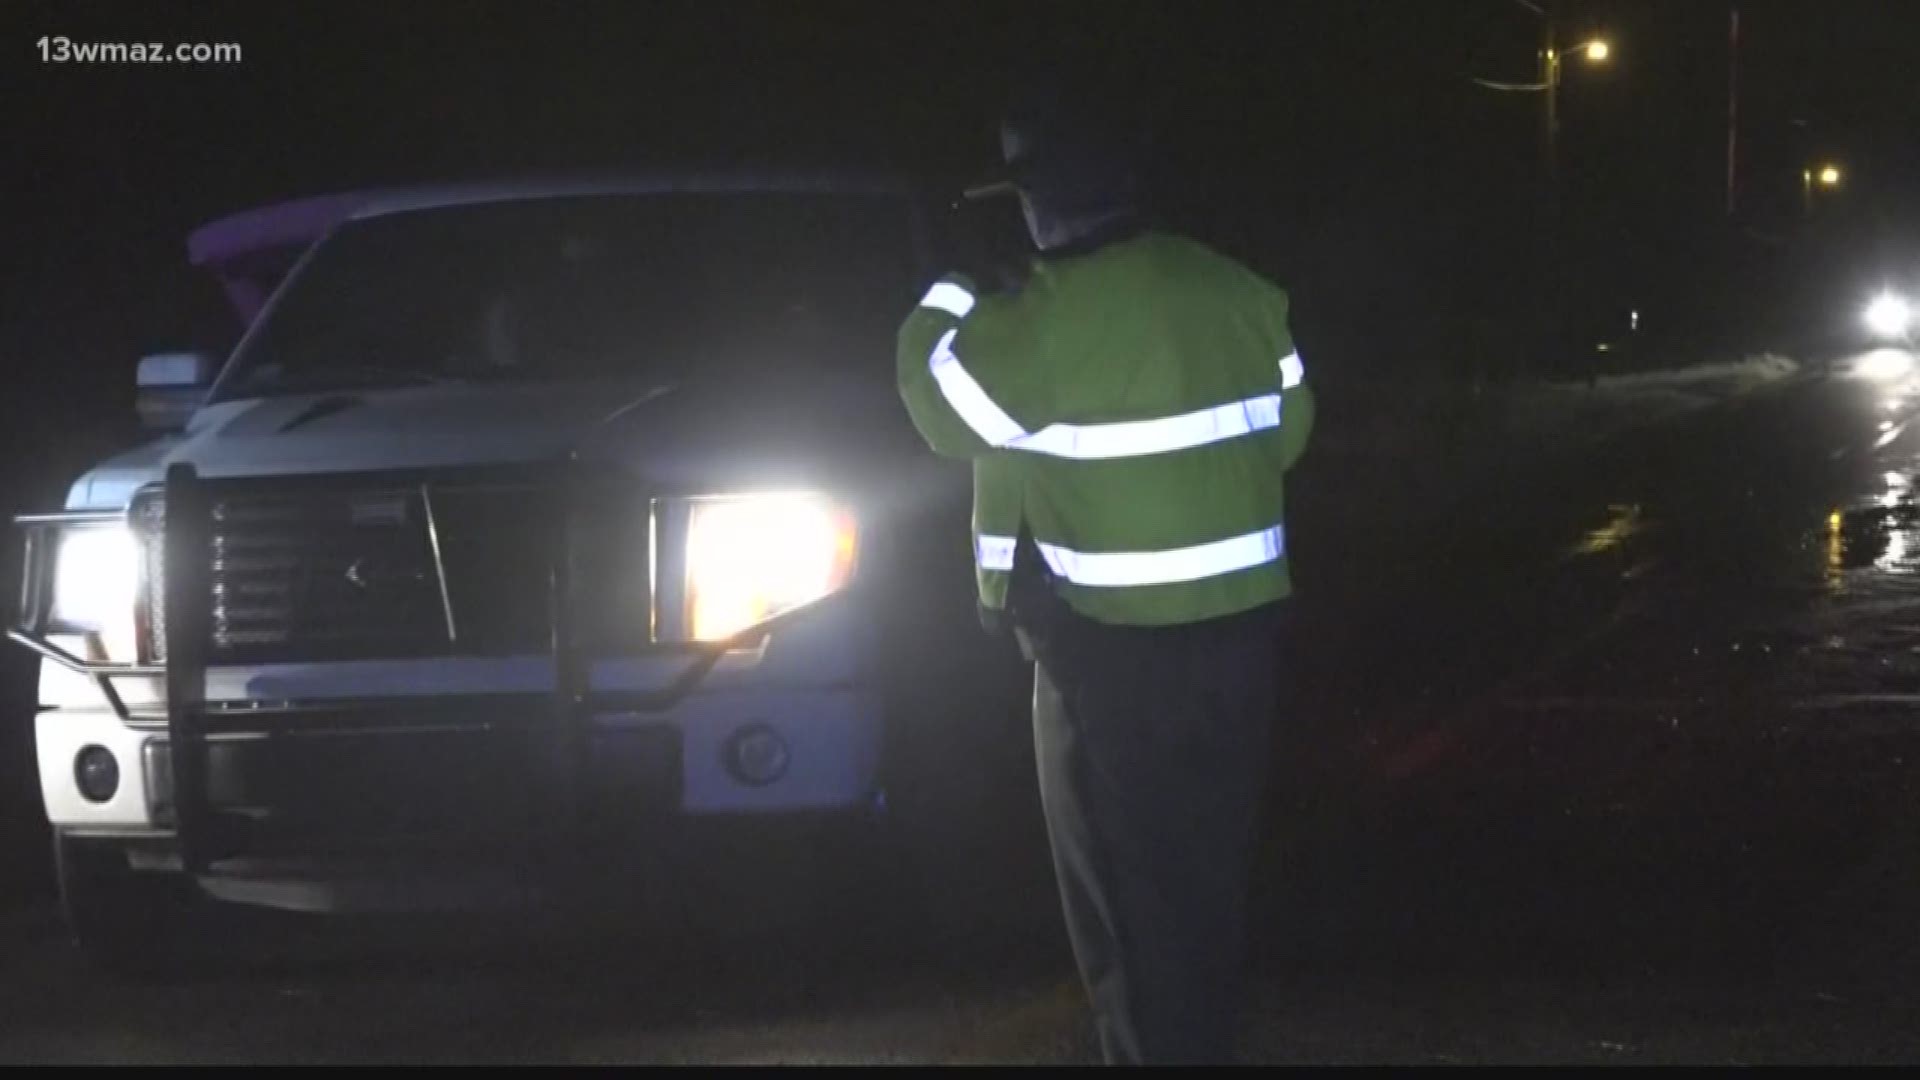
[[752, 557], [96, 583]]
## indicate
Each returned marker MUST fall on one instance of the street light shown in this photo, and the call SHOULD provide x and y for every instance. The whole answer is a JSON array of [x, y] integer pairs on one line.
[[1829, 176], [1595, 50]]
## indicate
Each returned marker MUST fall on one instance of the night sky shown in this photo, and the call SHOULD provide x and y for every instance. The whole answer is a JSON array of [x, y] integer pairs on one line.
[[1339, 145]]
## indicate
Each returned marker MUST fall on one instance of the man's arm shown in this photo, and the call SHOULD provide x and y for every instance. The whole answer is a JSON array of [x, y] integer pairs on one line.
[[964, 360], [1297, 406], [1297, 411]]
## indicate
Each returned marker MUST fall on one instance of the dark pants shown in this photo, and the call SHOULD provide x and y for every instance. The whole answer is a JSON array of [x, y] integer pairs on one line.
[[1153, 750]]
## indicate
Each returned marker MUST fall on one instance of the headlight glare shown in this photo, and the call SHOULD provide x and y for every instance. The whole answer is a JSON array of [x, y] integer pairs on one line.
[[1888, 315], [96, 583], [752, 557], [96, 576]]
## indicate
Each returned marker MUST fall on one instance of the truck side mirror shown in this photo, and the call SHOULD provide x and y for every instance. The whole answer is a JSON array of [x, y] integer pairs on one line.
[[170, 386]]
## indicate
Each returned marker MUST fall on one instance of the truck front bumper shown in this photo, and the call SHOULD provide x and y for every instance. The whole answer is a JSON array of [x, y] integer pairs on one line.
[[362, 748]]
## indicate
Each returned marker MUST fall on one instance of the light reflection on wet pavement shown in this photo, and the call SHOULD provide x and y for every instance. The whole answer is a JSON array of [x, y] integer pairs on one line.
[[1769, 550], [1658, 704]]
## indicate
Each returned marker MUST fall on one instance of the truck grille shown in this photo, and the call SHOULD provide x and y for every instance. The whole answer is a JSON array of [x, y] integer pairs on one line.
[[307, 570], [344, 573]]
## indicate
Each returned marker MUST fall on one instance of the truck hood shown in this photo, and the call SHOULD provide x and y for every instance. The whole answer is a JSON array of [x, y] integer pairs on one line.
[[774, 432]]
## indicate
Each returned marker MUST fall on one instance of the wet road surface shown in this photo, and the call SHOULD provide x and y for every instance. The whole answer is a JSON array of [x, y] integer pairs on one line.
[[1607, 763]]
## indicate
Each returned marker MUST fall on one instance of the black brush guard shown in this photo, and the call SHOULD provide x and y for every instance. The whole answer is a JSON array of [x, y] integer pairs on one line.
[[558, 770]]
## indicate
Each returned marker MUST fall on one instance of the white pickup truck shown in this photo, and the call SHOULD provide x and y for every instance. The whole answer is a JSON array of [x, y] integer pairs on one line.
[[524, 519]]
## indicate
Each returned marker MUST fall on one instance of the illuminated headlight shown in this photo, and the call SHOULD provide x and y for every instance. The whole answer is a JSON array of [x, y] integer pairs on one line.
[[1888, 316], [96, 581], [752, 557]]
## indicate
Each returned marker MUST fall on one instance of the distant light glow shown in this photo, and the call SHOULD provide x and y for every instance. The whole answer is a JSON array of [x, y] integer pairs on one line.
[[1624, 522], [1889, 316], [1598, 50], [1829, 175]]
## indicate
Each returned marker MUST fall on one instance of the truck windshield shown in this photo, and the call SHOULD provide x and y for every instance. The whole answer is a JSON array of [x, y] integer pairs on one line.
[[617, 287]]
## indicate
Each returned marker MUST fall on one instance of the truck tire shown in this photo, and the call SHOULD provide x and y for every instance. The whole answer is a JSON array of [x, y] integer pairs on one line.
[[124, 921]]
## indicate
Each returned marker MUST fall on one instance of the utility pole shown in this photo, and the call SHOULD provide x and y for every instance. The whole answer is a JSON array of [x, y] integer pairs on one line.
[[1552, 64], [1733, 109], [1552, 305], [1550, 88], [1550, 309]]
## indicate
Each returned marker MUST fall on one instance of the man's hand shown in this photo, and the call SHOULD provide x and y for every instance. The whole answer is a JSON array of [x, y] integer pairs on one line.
[[990, 245], [1004, 275]]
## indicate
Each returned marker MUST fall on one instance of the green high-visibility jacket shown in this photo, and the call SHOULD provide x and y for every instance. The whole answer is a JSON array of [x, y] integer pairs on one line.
[[1135, 408]]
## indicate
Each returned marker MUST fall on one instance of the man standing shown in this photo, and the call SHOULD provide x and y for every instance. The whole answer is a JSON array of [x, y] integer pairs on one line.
[[1130, 411]]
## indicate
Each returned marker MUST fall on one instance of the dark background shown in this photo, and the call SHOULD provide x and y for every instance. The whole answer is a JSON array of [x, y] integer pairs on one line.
[[1339, 145]]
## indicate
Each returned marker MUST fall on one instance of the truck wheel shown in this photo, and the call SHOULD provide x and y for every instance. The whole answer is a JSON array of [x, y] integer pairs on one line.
[[123, 920]]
